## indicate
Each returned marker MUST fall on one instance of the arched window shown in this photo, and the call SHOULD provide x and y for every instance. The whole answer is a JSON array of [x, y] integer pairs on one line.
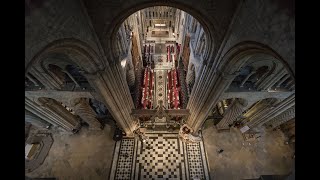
[[76, 73]]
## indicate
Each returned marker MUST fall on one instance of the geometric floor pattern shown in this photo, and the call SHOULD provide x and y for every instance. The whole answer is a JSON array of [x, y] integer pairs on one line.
[[163, 156], [125, 159], [160, 87]]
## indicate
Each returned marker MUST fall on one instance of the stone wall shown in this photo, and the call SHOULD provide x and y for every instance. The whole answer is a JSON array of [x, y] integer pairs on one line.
[[54, 20], [271, 23]]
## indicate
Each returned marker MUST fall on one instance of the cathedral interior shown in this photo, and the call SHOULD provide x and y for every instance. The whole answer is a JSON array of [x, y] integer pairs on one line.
[[143, 89]]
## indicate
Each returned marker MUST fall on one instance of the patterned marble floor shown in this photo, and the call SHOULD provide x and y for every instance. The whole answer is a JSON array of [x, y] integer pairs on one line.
[[160, 87], [163, 156]]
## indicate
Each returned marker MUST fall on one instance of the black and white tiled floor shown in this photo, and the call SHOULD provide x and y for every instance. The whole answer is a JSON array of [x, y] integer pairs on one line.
[[164, 156]]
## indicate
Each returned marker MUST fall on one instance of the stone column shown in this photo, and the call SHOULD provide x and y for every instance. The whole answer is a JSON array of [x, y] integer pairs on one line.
[[32, 80], [231, 114], [58, 118], [35, 120], [271, 80], [283, 80], [275, 79], [119, 48], [282, 118], [86, 113], [130, 76], [258, 109], [65, 115], [46, 79], [37, 110], [206, 93], [261, 79], [112, 87], [123, 38], [182, 81], [220, 108], [273, 111], [190, 76], [138, 78], [245, 79]]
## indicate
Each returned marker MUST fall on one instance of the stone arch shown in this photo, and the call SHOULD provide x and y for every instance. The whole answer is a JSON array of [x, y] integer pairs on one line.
[[102, 112], [61, 53], [238, 55], [228, 111], [256, 109], [84, 110], [59, 113], [65, 103], [111, 30], [77, 51], [257, 69], [191, 74]]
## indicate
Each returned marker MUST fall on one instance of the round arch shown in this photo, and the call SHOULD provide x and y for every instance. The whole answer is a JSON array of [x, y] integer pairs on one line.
[[238, 55], [111, 30], [75, 50], [228, 68]]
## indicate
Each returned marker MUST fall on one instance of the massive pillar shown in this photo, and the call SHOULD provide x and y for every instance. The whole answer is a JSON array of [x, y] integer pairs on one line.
[[231, 114], [86, 113], [205, 94], [273, 111], [282, 118], [35, 120], [182, 78], [190, 76], [130, 75], [111, 85], [53, 112], [138, 73]]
